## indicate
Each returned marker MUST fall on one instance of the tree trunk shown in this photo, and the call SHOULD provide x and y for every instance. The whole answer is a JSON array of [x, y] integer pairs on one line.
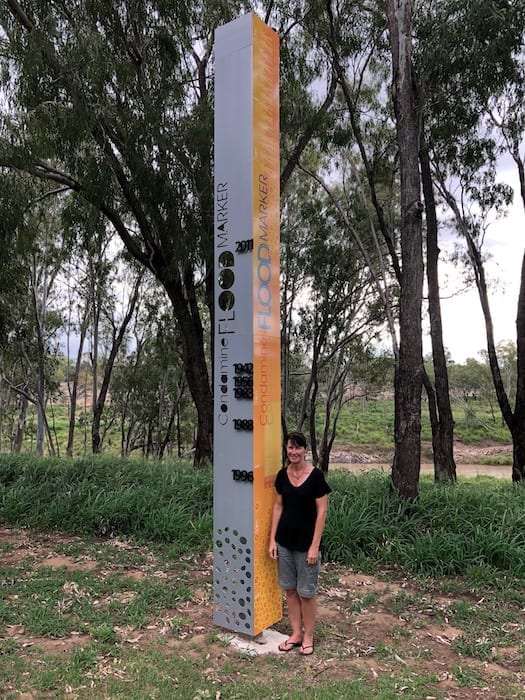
[[73, 394], [518, 432], [1, 416], [443, 441], [40, 315], [95, 296], [40, 429], [514, 419], [518, 423], [476, 261], [187, 314], [20, 424], [409, 367], [73, 388], [100, 401], [312, 415]]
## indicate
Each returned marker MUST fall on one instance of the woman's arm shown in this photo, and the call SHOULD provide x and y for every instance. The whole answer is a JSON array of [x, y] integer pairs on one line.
[[321, 505], [276, 516]]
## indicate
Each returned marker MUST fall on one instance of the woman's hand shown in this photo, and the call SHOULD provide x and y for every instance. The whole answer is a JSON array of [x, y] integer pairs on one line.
[[272, 550], [312, 555]]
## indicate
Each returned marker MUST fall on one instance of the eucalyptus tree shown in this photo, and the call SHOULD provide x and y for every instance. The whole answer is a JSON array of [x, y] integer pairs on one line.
[[12, 295], [508, 116], [438, 392], [116, 323], [357, 42], [409, 368], [449, 99], [114, 102], [471, 384], [14, 241], [451, 42], [115, 105], [31, 342], [386, 40], [354, 38], [82, 224], [76, 321], [335, 312], [149, 402], [465, 67], [361, 42], [470, 215], [293, 280]]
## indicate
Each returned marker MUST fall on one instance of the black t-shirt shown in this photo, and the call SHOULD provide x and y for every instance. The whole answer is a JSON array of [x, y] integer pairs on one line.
[[297, 522]]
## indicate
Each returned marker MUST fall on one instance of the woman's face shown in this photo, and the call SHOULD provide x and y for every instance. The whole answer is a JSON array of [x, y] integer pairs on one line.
[[295, 453]]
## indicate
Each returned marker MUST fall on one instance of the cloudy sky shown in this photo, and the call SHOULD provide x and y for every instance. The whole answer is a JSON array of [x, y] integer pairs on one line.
[[463, 324]]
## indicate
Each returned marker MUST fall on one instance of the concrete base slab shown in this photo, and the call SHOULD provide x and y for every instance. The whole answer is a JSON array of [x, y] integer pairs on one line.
[[265, 643]]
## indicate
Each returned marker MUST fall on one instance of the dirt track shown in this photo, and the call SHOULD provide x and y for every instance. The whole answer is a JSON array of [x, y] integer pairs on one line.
[[469, 461], [504, 472]]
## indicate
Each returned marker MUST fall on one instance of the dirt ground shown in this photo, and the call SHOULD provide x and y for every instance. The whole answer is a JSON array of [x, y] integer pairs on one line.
[[363, 630]]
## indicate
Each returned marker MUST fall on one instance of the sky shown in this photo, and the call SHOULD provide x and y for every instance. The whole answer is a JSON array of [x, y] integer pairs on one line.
[[463, 324]]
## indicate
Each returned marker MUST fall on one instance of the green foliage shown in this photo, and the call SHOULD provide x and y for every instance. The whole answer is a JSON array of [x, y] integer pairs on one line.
[[451, 530], [365, 422], [368, 423], [164, 502], [148, 391], [465, 52]]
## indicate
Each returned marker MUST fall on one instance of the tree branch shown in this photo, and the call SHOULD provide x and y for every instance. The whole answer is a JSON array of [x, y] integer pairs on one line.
[[304, 140], [20, 15]]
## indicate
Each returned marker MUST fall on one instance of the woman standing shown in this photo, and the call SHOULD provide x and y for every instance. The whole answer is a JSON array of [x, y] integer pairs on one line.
[[298, 519]]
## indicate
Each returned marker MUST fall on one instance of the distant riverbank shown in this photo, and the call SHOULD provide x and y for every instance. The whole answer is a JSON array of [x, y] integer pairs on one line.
[[470, 470]]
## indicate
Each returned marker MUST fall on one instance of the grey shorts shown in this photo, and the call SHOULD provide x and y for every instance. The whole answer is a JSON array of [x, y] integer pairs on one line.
[[296, 574]]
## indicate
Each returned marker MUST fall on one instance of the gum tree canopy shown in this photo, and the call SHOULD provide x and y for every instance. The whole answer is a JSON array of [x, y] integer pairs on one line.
[[111, 101]]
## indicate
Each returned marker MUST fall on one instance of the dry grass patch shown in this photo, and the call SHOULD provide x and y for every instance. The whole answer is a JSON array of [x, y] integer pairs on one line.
[[395, 636]]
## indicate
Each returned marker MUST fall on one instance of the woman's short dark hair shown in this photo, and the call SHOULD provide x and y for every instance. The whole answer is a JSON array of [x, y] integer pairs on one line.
[[297, 439]]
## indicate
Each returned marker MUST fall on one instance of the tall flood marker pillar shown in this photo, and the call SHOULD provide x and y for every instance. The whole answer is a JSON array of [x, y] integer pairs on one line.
[[247, 376]]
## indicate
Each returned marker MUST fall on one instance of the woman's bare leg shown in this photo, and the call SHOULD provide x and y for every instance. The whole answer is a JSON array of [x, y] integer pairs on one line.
[[293, 602], [308, 614]]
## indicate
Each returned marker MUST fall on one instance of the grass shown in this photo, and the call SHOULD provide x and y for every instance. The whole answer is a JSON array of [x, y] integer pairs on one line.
[[452, 529], [364, 424], [369, 424], [109, 595], [101, 650], [105, 495]]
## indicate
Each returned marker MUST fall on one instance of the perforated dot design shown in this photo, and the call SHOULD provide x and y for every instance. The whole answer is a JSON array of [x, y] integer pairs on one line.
[[234, 580]]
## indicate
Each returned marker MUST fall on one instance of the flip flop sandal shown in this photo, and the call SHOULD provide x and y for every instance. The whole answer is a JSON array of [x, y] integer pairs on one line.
[[289, 645], [303, 651]]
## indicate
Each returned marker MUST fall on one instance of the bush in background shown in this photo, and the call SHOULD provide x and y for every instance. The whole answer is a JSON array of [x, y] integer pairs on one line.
[[474, 527], [103, 496]]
